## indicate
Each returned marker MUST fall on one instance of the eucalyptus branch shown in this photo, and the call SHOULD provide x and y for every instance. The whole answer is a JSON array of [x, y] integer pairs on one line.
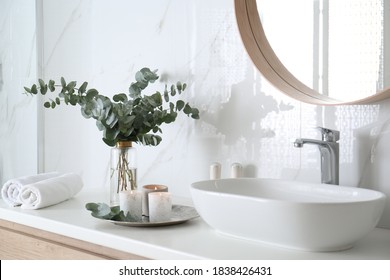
[[127, 117]]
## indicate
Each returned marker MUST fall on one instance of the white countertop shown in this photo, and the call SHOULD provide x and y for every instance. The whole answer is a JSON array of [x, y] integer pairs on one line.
[[191, 240]]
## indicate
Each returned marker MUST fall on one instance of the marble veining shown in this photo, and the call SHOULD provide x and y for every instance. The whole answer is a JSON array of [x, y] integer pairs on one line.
[[18, 114]]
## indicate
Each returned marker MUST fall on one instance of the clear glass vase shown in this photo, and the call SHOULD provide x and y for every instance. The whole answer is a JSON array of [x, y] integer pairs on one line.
[[123, 171]]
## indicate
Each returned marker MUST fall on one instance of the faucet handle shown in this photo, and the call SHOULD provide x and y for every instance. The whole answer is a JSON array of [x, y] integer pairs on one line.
[[329, 135]]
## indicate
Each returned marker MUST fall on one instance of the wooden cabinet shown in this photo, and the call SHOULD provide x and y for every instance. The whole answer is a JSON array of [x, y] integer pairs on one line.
[[23, 242]]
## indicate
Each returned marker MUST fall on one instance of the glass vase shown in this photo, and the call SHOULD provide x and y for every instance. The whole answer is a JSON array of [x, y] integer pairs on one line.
[[123, 170]]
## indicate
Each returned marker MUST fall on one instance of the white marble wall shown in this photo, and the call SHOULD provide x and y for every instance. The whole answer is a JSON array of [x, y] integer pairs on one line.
[[18, 113], [243, 118]]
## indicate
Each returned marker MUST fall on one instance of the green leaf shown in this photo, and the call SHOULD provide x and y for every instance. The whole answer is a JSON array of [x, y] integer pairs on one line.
[[179, 86], [134, 90], [52, 86], [99, 210], [166, 94], [86, 113], [128, 119], [127, 131], [109, 142], [121, 97], [47, 104], [148, 75], [111, 120], [41, 83], [99, 125], [195, 113], [83, 87], [63, 82], [184, 86], [91, 93], [187, 109], [110, 134], [149, 139], [70, 87], [43, 89], [157, 99], [173, 90], [103, 211], [139, 77], [171, 106], [27, 89], [73, 100], [34, 89], [180, 105]]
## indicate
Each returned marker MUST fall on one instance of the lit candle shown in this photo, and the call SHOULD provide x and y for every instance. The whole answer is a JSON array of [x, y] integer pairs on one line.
[[160, 207], [131, 202], [145, 198]]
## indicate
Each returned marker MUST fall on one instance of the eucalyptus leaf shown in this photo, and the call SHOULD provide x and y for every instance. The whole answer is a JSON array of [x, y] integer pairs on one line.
[[52, 85], [41, 83], [105, 212], [63, 82], [71, 85], [102, 210], [180, 105], [134, 90], [179, 86], [27, 89], [83, 87], [173, 90], [120, 97], [43, 89], [139, 77], [91, 93], [187, 109], [99, 125], [195, 113], [34, 89]]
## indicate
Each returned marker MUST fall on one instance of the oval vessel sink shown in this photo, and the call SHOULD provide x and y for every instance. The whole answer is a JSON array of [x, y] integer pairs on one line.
[[305, 216]]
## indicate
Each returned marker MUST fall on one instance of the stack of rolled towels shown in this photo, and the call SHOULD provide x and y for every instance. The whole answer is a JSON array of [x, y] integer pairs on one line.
[[41, 190]]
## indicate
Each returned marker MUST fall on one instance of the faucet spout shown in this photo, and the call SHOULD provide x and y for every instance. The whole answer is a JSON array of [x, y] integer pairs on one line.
[[329, 151]]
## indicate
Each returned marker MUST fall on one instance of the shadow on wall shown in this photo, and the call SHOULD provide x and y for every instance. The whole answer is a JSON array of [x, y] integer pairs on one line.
[[242, 120], [247, 106]]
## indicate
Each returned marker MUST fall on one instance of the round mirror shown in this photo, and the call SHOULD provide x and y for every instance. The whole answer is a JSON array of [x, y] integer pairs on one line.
[[320, 51]]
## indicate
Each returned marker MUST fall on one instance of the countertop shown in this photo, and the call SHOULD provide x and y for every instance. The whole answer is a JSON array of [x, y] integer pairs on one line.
[[191, 240]]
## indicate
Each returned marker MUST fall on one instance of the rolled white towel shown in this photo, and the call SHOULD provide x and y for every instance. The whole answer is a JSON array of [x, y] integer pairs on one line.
[[50, 191], [11, 189]]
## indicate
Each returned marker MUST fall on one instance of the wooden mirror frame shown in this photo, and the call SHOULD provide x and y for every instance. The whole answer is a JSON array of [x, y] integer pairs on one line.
[[266, 61]]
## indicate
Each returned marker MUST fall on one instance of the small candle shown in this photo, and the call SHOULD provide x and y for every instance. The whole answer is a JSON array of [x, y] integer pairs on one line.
[[160, 207], [145, 198], [131, 202]]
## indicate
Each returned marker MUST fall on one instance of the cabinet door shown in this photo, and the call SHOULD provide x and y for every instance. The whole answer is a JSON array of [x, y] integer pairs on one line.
[[23, 242]]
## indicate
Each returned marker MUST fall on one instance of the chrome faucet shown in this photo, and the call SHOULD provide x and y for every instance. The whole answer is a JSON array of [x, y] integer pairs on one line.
[[329, 150]]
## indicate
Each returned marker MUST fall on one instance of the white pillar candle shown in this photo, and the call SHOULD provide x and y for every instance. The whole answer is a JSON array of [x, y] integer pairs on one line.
[[160, 207], [145, 198], [131, 202]]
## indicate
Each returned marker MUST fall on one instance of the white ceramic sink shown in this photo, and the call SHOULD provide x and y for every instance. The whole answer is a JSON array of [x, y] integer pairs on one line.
[[305, 216]]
